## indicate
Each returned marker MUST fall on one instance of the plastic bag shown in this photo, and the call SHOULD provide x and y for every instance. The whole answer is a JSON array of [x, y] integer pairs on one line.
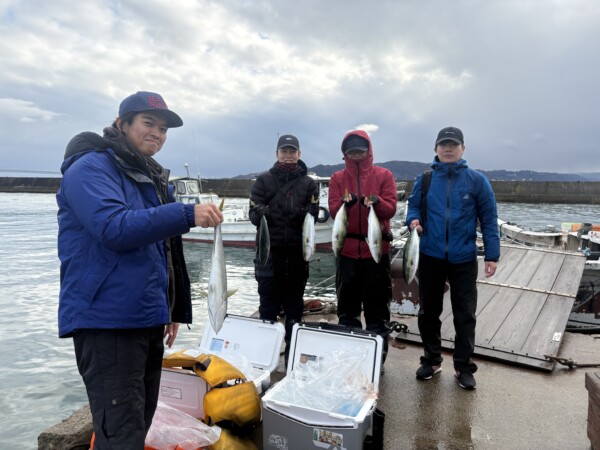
[[334, 382], [172, 429]]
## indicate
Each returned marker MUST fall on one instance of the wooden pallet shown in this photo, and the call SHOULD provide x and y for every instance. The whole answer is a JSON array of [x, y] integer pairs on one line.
[[522, 311]]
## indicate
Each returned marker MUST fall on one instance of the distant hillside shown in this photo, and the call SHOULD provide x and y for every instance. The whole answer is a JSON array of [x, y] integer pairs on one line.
[[408, 170]]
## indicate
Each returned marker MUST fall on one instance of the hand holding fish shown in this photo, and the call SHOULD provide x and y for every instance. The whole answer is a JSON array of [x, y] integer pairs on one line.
[[349, 199], [207, 215], [416, 223], [370, 200]]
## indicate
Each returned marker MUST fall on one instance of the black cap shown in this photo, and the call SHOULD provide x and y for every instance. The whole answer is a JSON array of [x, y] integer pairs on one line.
[[450, 134], [149, 101], [355, 142], [288, 140]]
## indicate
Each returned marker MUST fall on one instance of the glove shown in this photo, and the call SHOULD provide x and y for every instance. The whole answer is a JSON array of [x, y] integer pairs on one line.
[[372, 198], [261, 210], [350, 202]]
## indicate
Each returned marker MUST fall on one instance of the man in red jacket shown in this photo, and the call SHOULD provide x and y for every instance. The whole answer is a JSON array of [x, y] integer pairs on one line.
[[361, 283]]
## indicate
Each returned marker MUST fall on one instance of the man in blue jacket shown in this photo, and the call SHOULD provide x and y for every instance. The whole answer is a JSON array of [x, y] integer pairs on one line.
[[123, 281], [457, 199]]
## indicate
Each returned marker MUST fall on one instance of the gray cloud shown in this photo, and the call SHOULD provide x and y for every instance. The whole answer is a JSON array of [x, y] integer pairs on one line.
[[517, 76]]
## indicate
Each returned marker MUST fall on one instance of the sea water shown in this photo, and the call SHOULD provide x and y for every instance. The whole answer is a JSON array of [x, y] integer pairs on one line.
[[39, 382]]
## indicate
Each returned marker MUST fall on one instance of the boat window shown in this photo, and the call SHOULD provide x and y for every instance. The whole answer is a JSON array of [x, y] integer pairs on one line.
[[193, 187], [180, 187]]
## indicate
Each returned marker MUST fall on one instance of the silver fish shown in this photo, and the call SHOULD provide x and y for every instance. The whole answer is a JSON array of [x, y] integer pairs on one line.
[[338, 233], [217, 284], [264, 241], [308, 236], [374, 235], [410, 260]]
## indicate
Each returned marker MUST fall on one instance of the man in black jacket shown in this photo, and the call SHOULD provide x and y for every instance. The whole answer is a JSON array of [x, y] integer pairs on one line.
[[284, 194]]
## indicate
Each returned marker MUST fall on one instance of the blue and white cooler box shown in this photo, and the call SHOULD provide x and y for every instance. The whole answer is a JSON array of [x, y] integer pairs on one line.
[[256, 340], [291, 426]]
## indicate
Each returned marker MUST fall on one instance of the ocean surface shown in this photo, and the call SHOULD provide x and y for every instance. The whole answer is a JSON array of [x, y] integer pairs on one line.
[[39, 382]]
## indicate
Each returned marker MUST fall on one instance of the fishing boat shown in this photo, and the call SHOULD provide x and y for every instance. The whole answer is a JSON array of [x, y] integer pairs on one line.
[[549, 237], [236, 229]]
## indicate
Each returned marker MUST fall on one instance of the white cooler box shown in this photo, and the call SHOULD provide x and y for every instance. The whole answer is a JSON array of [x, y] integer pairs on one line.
[[296, 427], [257, 340]]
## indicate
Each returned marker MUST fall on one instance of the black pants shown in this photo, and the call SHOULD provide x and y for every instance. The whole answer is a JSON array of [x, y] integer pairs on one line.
[[281, 284], [462, 278], [121, 370], [364, 285]]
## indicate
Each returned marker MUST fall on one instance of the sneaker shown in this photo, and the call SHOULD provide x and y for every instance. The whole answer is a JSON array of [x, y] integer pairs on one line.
[[426, 371], [465, 380]]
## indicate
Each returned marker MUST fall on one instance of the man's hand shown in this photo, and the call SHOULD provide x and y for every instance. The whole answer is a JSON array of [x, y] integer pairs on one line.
[[490, 268], [370, 200], [171, 333], [261, 210], [416, 223], [207, 215], [349, 199]]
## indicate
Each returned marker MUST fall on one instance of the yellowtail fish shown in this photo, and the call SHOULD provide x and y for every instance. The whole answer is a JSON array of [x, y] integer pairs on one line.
[[264, 241], [338, 233], [374, 235], [217, 282], [410, 260], [308, 236]]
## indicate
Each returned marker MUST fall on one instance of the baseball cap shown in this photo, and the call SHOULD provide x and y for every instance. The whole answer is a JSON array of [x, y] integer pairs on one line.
[[288, 140], [355, 142], [149, 101], [450, 134]]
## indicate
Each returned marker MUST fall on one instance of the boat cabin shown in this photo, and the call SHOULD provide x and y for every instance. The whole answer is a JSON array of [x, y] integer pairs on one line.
[[187, 190]]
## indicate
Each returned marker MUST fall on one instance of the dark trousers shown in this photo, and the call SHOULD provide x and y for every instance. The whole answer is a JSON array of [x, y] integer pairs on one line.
[[462, 278], [281, 284], [364, 285], [121, 370]]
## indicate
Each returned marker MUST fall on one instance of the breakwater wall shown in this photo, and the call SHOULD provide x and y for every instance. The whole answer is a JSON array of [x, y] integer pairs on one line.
[[567, 192]]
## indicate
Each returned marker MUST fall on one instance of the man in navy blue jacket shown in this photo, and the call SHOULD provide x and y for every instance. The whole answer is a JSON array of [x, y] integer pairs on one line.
[[124, 285], [457, 199]]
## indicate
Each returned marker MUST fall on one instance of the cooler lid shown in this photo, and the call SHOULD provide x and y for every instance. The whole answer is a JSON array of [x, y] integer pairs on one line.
[[312, 340], [258, 340]]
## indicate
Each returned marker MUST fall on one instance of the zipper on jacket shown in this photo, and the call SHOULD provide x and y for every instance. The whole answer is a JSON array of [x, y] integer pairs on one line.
[[448, 213], [358, 205]]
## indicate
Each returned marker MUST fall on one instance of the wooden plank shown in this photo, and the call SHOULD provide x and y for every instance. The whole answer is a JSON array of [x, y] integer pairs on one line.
[[517, 326], [515, 323], [547, 271], [553, 319], [547, 333], [495, 314], [525, 269]]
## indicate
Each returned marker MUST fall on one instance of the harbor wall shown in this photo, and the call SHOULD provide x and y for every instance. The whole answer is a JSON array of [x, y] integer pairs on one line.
[[568, 192]]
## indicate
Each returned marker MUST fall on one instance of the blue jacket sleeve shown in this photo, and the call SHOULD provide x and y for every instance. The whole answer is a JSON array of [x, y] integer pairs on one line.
[[120, 220], [414, 202], [488, 220]]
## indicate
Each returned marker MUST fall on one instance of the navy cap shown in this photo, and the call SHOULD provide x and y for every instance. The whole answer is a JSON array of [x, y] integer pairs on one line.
[[149, 101], [355, 142], [450, 134], [288, 140]]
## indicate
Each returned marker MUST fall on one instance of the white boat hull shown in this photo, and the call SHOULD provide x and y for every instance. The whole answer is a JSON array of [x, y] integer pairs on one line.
[[519, 235], [243, 234]]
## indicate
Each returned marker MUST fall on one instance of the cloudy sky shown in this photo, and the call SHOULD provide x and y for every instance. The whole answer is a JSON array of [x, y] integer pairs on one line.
[[520, 77]]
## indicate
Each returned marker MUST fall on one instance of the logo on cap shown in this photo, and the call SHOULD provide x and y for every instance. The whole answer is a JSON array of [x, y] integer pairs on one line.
[[156, 102]]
